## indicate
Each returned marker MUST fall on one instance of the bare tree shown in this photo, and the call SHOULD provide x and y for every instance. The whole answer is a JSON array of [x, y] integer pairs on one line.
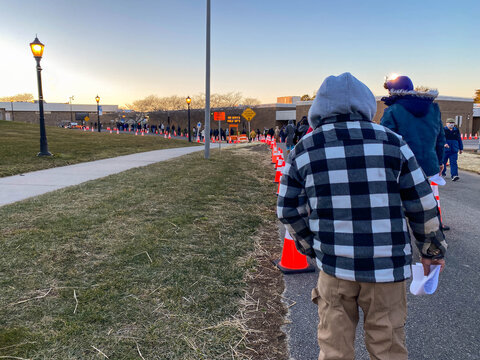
[[250, 101], [18, 97], [175, 102]]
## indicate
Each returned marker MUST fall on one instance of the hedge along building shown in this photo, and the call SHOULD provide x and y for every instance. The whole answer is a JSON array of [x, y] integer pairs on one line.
[[57, 114], [458, 108]]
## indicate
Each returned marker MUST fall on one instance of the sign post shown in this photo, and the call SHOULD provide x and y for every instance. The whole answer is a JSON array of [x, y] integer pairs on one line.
[[248, 114], [219, 116]]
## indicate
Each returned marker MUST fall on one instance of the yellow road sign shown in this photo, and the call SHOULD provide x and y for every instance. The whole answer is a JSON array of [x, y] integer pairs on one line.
[[248, 114], [86, 118]]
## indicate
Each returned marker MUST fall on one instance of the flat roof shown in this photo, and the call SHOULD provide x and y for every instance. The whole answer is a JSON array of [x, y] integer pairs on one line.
[[30, 106]]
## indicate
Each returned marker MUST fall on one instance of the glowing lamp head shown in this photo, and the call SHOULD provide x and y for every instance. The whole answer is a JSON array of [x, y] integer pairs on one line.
[[188, 100], [37, 48], [97, 99]]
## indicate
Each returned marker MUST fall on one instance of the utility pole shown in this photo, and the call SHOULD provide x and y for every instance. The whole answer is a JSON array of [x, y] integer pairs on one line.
[[71, 98], [207, 88]]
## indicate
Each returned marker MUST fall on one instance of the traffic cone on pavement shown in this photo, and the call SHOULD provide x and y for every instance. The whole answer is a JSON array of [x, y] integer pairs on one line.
[[436, 193], [169, 136], [470, 136], [278, 173], [292, 262], [143, 133]]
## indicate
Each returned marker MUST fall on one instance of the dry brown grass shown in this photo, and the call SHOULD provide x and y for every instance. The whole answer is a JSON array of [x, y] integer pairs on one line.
[[153, 261]]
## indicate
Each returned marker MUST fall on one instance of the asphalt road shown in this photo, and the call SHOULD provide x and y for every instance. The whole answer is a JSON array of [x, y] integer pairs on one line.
[[445, 325]]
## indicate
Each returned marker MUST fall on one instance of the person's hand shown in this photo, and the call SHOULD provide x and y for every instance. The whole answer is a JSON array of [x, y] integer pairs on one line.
[[446, 145], [441, 169], [460, 151], [426, 262]]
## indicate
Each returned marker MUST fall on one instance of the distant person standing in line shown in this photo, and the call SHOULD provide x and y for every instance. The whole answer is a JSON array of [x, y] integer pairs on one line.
[[277, 134], [290, 134], [413, 115], [453, 147]]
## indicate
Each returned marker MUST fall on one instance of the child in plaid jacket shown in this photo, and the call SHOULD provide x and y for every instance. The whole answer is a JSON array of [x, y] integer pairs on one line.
[[361, 182]]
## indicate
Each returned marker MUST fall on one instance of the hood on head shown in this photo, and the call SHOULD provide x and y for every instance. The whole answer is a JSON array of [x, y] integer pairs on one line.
[[416, 103], [339, 95], [290, 122]]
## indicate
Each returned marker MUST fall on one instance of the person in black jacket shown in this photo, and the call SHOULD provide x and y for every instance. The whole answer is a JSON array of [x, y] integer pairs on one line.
[[453, 146]]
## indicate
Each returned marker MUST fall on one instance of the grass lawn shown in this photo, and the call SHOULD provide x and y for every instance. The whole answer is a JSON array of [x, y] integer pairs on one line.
[[20, 143], [469, 161], [151, 261]]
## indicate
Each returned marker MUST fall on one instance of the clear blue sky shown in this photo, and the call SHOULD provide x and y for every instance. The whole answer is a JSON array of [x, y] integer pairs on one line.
[[126, 50]]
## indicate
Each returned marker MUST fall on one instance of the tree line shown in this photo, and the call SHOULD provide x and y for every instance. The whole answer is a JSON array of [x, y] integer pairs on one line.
[[174, 102]]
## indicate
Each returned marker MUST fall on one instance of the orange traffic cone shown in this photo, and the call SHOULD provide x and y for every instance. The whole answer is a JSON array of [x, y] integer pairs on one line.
[[118, 132], [278, 189], [279, 159], [436, 193], [92, 128], [278, 173], [292, 262], [143, 133], [476, 136], [169, 136], [136, 133], [470, 136]]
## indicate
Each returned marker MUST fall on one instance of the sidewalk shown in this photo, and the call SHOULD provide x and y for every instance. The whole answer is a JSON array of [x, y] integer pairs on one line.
[[24, 186]]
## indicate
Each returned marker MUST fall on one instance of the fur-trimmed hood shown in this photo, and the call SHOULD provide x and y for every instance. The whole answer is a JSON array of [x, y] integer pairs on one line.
[[416, 102]]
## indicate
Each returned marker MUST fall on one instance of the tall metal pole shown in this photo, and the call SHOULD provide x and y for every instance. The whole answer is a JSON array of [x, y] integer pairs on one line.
[[189, 127], [43, 134], [98, 116], [71, 112], [219, 135], [207, 88]]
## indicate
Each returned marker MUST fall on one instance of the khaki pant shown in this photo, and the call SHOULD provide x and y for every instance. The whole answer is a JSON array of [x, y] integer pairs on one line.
[[385, 311]]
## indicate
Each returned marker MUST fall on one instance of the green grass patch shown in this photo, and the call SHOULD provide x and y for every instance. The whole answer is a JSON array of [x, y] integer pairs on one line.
[[20, 143], [156, 257]]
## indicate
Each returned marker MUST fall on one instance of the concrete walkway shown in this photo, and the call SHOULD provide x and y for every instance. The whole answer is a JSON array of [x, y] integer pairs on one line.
[[24, 186]]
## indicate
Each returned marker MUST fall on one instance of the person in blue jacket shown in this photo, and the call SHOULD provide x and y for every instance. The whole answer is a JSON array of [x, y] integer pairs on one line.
[[453, 146], [413, 115]]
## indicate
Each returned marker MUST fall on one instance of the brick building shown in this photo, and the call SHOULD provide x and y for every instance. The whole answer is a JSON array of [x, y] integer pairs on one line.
[[476, 119], [457, 108], [56, 114], [267, 115]]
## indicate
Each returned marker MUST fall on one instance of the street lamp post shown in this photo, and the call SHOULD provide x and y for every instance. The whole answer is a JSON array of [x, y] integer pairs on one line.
[[37, 50], [71, 112], [97, 99], [188, 100]]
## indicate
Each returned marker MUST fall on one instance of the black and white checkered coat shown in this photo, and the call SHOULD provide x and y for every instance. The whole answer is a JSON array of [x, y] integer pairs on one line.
[[345, 194]]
